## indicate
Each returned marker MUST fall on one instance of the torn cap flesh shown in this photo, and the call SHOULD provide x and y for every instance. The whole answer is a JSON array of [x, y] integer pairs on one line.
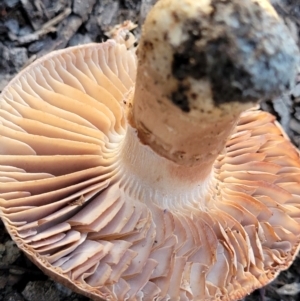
[[115, 218]]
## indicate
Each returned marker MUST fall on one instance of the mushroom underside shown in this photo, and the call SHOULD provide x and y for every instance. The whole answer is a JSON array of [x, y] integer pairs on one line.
[[67, 202]]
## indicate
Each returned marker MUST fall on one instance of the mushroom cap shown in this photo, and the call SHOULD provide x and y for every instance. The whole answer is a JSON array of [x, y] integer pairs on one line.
[[69, 203]]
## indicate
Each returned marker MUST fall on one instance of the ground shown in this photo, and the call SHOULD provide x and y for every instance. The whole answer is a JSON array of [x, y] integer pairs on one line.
[[32, 28]]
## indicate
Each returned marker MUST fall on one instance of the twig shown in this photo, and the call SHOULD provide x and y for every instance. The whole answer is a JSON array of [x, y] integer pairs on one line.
[[45, 29], [57, 19]]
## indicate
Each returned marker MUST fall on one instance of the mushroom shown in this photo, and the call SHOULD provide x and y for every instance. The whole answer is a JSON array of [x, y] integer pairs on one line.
[[168, 185]]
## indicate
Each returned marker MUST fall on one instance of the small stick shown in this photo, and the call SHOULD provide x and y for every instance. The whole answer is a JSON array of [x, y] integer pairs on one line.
[[45, 29]]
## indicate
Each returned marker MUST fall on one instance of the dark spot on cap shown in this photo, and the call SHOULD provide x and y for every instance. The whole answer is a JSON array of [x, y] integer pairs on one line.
[[180, 98], [166, 36], [211, 63], [243, 51], [148, 45], [175, 16], [194, 96]]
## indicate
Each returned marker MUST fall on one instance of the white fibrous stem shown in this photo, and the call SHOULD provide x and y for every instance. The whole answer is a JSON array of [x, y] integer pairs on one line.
[[200, 64], [154, 179]]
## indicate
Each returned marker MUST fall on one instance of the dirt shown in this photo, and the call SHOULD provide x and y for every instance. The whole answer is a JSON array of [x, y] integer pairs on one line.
[[32, 28]]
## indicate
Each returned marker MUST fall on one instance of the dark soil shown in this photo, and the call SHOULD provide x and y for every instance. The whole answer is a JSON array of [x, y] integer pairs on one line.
[[32, 28]]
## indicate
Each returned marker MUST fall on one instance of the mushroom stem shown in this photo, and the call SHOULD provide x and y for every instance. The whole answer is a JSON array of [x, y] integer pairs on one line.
[[159, 180], [200, 64]]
